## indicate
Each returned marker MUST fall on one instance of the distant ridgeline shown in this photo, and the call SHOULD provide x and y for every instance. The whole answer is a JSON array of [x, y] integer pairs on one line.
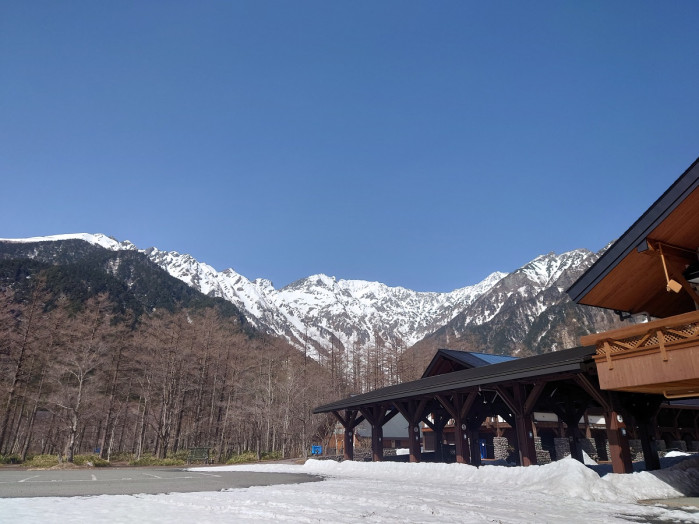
[[77, 271]]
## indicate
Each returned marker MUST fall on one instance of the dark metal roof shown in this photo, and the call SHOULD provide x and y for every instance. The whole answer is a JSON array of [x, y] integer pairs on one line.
[[565, 361], [637, 233], [463, 360]]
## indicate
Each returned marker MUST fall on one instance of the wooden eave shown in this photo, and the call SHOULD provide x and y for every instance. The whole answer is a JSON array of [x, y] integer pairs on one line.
[[627, 277]]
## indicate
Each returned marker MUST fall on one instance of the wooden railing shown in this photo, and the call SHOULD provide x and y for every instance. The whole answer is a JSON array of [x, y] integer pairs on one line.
[[661, 356], [662, 334]]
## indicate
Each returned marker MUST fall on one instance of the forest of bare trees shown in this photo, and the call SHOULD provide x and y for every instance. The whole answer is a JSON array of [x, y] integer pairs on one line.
[[82, 379]]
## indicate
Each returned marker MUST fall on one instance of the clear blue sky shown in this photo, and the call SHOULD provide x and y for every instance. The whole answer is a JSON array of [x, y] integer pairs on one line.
[[421, 144]]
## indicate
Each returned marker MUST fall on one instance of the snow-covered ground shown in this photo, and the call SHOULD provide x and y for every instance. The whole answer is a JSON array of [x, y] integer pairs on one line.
[[564, 491]]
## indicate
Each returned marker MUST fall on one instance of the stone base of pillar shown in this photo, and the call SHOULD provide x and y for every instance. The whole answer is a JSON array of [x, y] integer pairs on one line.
[[589, 446], [562, 447], [501, 448], [679, 444], [636, 450]]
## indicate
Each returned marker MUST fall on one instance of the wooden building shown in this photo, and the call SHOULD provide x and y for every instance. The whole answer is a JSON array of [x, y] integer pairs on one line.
[[630, 378]]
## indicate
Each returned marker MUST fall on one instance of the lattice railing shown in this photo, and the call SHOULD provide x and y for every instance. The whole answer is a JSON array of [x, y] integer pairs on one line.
[[651, 336]]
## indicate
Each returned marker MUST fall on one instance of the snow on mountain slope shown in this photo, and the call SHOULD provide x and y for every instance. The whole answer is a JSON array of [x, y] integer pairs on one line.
[[525, 312], [320, 312]]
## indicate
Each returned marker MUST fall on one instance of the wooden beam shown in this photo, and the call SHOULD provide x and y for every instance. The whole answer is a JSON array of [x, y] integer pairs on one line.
[[510, 401], [448, 405], [534, 395], [591, 390], [467, 403]]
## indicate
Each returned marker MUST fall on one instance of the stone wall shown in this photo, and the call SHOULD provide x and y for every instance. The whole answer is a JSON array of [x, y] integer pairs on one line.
[[562, 447], [589, 446], [542, 455], [500, 448], [636, 450], [679, 444]]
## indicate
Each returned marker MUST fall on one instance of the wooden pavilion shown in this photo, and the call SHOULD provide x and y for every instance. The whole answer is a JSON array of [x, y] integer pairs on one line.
[[627, 375]]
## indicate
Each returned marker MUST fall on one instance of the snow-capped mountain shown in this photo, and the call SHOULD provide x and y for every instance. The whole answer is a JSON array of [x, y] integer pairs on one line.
[[320, 312], [526, 312]]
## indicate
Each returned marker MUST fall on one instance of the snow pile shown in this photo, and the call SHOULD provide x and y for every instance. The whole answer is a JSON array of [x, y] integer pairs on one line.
[[563, 478], [564, 491]]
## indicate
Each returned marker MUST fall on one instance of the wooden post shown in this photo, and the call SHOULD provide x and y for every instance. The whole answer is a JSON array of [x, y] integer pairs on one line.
[[377, 416], [650, 452], [620, 453], [474, 445], [461, 442], [525, 440], [524, 428], [413, 410], [522, 406], [458, 405], [414, 442], [644, 410], [574, 434], [377, 443], [349, 421], [348, 451]]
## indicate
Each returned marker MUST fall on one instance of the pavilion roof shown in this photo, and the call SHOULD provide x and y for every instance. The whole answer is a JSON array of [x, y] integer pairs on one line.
[[572, 361], [450, 360]]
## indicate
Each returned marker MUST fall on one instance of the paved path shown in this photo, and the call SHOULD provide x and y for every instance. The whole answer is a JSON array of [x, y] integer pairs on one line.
[[129, 481]]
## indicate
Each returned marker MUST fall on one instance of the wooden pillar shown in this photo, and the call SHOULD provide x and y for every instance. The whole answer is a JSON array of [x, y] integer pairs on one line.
[[439, 443], [458, 405], [619, 450], [525, 440], [413, 410], [414, 442], [650, 452], [522, 406], [474, 444], [377, 443], [524, 428], [574, 434], [461, 442], [349, 421], [377, 416], [348, 451], [437, 424], [644, 410]]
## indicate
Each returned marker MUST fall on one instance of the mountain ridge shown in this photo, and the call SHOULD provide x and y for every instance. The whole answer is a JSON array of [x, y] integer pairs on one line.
[[322, 313]]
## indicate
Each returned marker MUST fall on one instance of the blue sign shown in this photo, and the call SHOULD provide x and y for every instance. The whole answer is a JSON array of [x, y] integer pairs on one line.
[[316, 450]]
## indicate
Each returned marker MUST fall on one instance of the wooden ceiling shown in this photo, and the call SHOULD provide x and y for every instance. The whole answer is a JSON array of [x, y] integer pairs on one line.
[[637, 283]]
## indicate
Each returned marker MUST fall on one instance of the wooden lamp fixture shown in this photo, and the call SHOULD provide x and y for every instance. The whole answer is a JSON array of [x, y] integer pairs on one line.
[[672, 285]]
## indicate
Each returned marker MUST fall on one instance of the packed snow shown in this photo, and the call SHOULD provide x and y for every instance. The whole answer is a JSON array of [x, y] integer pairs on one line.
[[564, 491]]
